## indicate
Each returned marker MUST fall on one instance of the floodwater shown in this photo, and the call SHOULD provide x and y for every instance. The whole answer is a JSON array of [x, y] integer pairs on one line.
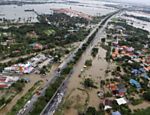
[[136, 22], [17, 13], [96, 72]]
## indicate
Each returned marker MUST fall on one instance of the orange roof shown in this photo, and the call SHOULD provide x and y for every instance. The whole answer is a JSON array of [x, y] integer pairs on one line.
[[113, 87]]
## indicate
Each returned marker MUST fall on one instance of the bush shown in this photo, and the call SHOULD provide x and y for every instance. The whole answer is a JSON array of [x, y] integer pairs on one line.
[[88, 83], [146, 95], [91, 111], [94, 52], [103, 40], [136, 101], [88, 62], [108, 94]]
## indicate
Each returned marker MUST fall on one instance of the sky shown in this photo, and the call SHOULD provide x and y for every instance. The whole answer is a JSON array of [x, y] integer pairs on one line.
[[135, 1], [131, 1]]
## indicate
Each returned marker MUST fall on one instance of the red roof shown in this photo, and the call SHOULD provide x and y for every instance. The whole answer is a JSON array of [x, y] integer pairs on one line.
[[3, 86]]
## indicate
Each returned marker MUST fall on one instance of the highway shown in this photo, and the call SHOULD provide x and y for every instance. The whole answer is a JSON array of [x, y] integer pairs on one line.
[[53, 103]]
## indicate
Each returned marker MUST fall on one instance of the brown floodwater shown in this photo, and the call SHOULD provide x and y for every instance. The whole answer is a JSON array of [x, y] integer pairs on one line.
[[96, 72]]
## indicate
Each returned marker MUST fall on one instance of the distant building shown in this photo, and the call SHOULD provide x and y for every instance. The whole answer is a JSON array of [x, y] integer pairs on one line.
[[7, 81], [72, 13], [37, 46]]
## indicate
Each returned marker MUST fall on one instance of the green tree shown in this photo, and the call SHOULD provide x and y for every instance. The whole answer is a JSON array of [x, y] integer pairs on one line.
[[146, 95], [88, 62], [103, 40], [91, 111], [88, 82]]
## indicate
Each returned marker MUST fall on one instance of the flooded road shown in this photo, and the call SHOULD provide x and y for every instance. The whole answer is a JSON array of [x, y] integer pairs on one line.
[[96, 72]]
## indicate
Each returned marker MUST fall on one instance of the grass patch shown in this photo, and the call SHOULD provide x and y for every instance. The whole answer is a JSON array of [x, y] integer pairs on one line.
[[49, 32]]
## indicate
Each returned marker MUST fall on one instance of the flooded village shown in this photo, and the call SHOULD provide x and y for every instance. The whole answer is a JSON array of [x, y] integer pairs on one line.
[[74, 58]]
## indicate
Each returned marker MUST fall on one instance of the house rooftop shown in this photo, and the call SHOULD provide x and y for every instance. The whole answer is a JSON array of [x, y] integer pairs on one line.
[[121, 101]]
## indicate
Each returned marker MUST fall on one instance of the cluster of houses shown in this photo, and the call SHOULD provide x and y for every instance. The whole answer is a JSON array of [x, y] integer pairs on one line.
[[117, 89], [9, 41], [72, 13], [130, 55], [7, 81], [109, 103], [133, 57], [36, 62], [123, 50]]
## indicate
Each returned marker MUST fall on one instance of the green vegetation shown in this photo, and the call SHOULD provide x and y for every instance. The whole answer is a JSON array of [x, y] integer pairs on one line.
[[21, 102], [18, 86], [42, 101], [108, 53], [44, 70], [93, 111], [49, 32], [67, 70], [88, 62], [17, 41], [129, 63], [2, 101], [146, 95], [94, 52], [88, 83], [142, 112], [103, 40], [136, 101]]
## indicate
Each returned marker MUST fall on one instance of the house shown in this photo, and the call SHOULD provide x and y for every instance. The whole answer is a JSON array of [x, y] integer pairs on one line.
[[113, 87], [4, 85], [7, 81], [116, 113], [107, 104], [135, 83], [121, 101], [45, 63], [121, 90], [118, 89], [37, 46], [19, 68], [72, 13], [136, 72]]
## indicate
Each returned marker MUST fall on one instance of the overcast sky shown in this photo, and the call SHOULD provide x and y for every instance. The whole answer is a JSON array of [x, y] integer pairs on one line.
[[147, 2], [135, 1]]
